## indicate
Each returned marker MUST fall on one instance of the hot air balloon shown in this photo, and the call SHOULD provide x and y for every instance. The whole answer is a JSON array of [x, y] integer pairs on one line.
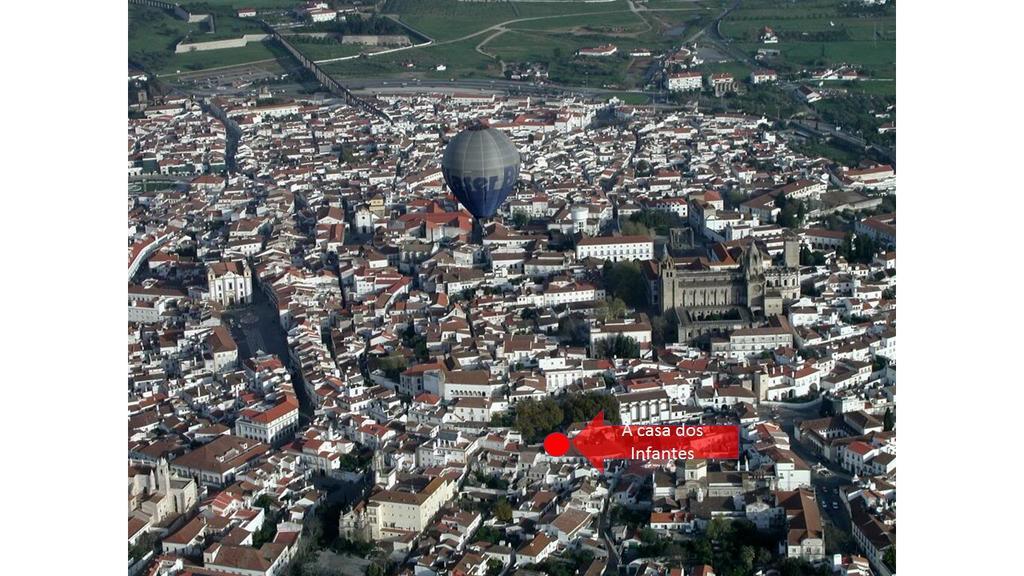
[[481, 166]]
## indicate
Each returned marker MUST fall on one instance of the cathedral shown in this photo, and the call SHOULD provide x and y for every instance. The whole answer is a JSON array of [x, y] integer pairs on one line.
[[155, 496], [711, 300]]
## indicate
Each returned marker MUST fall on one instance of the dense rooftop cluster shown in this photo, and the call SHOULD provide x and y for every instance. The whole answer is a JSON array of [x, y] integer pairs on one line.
[[319, 316]]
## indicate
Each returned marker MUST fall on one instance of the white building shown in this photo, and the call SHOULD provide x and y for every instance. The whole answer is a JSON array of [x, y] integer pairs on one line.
[[684, 81], [648, 407], [763, 76], [269, 426], [638, 329], [394, 513], [616, 248], [230, 282], [752, 341]]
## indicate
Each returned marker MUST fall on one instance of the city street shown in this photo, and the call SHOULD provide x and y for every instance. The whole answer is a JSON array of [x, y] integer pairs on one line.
[[257, 328]]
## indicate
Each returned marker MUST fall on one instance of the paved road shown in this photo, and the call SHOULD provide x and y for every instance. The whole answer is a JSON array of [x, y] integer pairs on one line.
[[825, 485]]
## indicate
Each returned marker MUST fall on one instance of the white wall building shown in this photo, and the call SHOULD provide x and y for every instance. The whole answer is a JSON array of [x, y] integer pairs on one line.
[[230, 282], [684, 81], [616, 248]]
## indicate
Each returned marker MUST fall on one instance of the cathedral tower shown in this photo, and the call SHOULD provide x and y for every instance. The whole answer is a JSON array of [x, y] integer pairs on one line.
[[753, 273], [668, 283]]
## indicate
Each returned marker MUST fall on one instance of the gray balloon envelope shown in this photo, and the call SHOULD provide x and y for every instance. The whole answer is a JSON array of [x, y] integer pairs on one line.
[[481, 166]]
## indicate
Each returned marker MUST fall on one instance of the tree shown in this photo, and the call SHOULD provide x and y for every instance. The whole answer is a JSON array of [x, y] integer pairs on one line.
[[143, 545], [862, 249], [618, 346], [792, 212], [608, 310], [811, 258], [520, 219], [574, 331], [746, 559], [503, 510], [392, 366], [700, 552], [488, 534], [719, 529], [584, 407], [265, 502], [631, 228], [656, 220], [266, 532], [889, 557], [625, 280], [665, 328], [537, 418], [494, 567], [889, 420], [734, 197]]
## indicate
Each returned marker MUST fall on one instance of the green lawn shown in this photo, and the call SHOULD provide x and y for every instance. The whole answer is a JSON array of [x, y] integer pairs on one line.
[[739, 70], [324, 51], [873, 87], [202, 60], [152, 35], [877, 59]]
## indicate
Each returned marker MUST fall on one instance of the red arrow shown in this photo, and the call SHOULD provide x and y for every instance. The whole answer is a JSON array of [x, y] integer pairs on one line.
[[653, 442]]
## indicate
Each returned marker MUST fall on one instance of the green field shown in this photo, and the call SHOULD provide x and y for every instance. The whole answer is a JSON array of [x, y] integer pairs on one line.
[[445, 20], [557, 50], [203, 60], [829, 149], [815, 33], [203, 7], [552, 39], [460, 58], [154, 33], [677, 4], [615, 23], [872, 87], [326, 50]]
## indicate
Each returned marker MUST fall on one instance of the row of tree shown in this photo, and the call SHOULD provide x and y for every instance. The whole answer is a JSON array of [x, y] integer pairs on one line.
[[535, 419]]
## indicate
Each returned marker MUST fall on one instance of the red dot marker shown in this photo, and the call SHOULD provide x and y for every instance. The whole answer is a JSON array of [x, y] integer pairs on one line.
[[556, 444]]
